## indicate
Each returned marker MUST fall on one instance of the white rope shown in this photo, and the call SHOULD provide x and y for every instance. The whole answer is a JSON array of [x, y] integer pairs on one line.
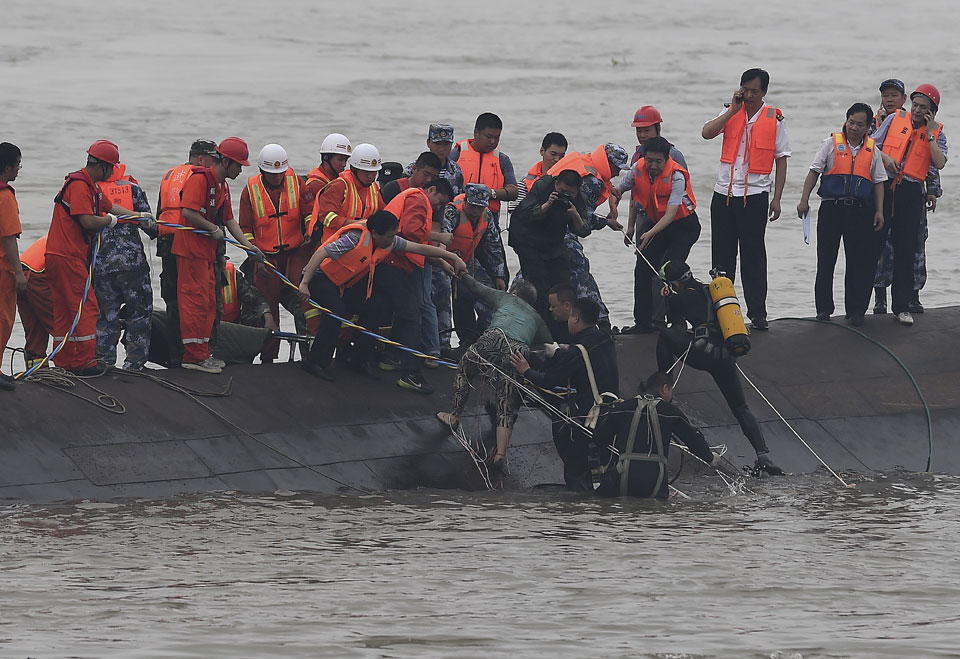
[[642, 255], [787, 423]]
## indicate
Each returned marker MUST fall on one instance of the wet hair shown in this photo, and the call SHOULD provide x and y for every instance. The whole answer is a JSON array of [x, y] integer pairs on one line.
[[442, 185], [752, 74], [488, 120], [569, 177], [525, 291], [564, 292], [428, 159], [587, 309], [656, 381], [382, 221], [657, 145], [861, 107], [8, 155], [551, 139]]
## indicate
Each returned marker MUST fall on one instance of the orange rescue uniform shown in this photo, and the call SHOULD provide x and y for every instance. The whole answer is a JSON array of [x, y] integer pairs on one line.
[[9, 227], [342, 201], [36, 311]]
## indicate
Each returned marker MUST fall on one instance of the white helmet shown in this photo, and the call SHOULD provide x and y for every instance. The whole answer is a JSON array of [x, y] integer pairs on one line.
[[273, 159], [366, 157], [336, 144]]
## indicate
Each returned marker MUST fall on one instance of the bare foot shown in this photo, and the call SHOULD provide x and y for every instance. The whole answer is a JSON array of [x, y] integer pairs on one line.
[[448, 418]]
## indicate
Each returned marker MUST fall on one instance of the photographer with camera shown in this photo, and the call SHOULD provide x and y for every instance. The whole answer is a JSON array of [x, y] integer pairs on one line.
[[537, 229]]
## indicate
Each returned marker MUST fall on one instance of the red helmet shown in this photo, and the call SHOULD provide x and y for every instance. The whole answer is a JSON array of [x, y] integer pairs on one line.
[[930, 92], [647, 116], [106, 151], [235, 149]]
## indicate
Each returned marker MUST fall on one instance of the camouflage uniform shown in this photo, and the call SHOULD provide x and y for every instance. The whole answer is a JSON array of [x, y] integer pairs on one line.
[[450, 170], [121, 280], [884, 276]]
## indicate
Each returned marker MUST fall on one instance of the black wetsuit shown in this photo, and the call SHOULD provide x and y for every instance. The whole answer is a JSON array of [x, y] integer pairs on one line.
[[694, 305], [646, 475]]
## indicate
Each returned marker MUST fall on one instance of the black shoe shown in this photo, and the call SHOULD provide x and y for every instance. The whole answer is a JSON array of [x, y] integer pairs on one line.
[[453, 354], [647, 328], [604, 325], [823, 316], [880, 307], [760, 323], [765, 464], [856, 320], [317, 371], [7, 383], [414, 382], [96, 368], [368, 369], [914, 305]]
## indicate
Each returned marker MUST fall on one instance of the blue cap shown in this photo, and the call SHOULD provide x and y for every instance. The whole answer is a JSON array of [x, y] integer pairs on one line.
[[617, 155], [477, 194], [893, 82], [440, 133]]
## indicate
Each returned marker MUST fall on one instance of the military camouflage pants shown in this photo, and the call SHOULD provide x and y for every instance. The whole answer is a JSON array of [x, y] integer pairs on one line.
[[884, 276], [131, 291]]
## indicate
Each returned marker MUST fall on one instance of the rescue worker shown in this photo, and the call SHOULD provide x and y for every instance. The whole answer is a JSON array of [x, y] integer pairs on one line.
[[516, 326], [851, 210], [121, 278], [80, 210], [342, 276], [913, 146], [12, 279], [589, 365], [661, 193], [647, 121], [538, 226], [354, 195], [274, 205], [425, 169], [641, 430], [754, 138], [553, 148], [243, 304], [440, 143], [482, 162], [690, 302], [202, 153], [560, 301], [205, 204], [409, 279], [34, 304]]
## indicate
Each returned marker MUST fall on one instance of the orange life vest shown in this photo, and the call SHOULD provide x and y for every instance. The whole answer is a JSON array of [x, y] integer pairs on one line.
[[653, 196], [907, 146], [276, 230], [584, 164], [359, 262], [119, 193], [761, 141], [168, 206], [231, 300], [71, 231], [533, 175], [466, 237], [408, 231], [481, 168], [34, 258], [359, 203], [851, 176]]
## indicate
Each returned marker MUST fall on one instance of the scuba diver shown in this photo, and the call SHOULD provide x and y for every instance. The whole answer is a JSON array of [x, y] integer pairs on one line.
[[638, 433], [712, 344]]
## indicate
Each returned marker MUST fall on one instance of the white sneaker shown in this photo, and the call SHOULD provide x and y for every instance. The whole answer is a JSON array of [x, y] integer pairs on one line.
[[207, 366], [904, 318], [219, 362]]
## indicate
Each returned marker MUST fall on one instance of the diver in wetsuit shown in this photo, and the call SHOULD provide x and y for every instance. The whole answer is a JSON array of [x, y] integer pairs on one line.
[[640, 430], [692, 304]]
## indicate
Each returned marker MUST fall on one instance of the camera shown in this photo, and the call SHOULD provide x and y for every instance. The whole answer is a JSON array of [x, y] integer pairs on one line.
[[564, 199]]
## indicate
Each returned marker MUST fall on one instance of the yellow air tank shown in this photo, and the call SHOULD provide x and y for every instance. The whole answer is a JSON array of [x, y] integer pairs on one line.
[[729, 317]]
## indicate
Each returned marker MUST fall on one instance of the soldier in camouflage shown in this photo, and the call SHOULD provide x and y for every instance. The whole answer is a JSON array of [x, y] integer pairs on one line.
[[440, 143]]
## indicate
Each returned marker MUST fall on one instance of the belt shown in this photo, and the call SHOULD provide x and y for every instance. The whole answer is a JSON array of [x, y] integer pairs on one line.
[[849, 201]]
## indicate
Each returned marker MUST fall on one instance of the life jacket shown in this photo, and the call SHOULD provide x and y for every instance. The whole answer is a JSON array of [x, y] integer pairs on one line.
[[481, 168], [533, 175], [592, 164], [231, 298], [851, 175], [396, 206], [906, 145], [466, 237], [359, 262], [761, 141], [74, 229], [34, 258], [653, 196], [168, 206], [120, 193], [359, 203], [276, 230]]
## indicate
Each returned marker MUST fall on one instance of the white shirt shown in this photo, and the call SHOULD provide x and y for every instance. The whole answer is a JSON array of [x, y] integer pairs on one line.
[[823, 161], [756, 183]]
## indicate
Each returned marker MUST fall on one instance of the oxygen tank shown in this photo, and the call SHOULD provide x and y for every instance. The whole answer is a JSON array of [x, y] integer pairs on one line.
[[729, 317]]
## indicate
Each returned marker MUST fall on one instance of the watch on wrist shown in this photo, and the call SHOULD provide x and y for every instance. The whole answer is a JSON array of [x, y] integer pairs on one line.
[[493, 193]]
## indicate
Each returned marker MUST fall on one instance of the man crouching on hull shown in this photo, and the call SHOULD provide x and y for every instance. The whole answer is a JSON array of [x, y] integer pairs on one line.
[[637, 433], [692, 303]]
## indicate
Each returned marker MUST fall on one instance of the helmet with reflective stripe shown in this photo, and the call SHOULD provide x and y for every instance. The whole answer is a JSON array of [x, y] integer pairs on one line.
[[336, 144], [273, 159], [236, 150], [106, 151], [366, 157]]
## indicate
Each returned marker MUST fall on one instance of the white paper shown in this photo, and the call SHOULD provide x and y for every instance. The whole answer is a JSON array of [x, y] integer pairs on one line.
[[806, 227]]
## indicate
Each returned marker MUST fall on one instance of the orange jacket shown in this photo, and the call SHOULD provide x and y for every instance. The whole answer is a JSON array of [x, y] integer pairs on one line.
[[231, 301], [653, 196], [903, 139], [197, 246], [851, 177], [344, 200], [466, 237], [761, 144], [275, 230], [67, 237], [359, 262], [168, 207], [34, 258], [481, 168]]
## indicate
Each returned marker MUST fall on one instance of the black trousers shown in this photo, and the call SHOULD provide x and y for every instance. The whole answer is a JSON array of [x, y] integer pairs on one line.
[[854, 225], [544, 272], [573, 446], [673, 342], [353, 301], [740, 225], [465, 315], [902, 213], [671, 244], [168, 291], [404, 293]]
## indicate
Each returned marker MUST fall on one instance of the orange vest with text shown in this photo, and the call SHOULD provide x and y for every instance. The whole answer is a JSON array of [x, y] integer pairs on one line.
[[907, 145], [466, 237], [276, 230], [168, 208], [481, 168], [359, 262], [359, 203], [231, 301], [119, 194], [761, 144], [653, 196], [34, 258]]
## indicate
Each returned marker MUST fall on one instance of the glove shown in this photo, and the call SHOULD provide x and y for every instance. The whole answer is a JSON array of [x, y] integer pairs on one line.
[[217, 234], [113, 220], [257, 256], [551, 348]]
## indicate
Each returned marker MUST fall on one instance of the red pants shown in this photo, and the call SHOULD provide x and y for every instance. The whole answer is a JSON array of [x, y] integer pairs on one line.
[[36, 314], [197, 299], [8, 309], [67, 279]]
